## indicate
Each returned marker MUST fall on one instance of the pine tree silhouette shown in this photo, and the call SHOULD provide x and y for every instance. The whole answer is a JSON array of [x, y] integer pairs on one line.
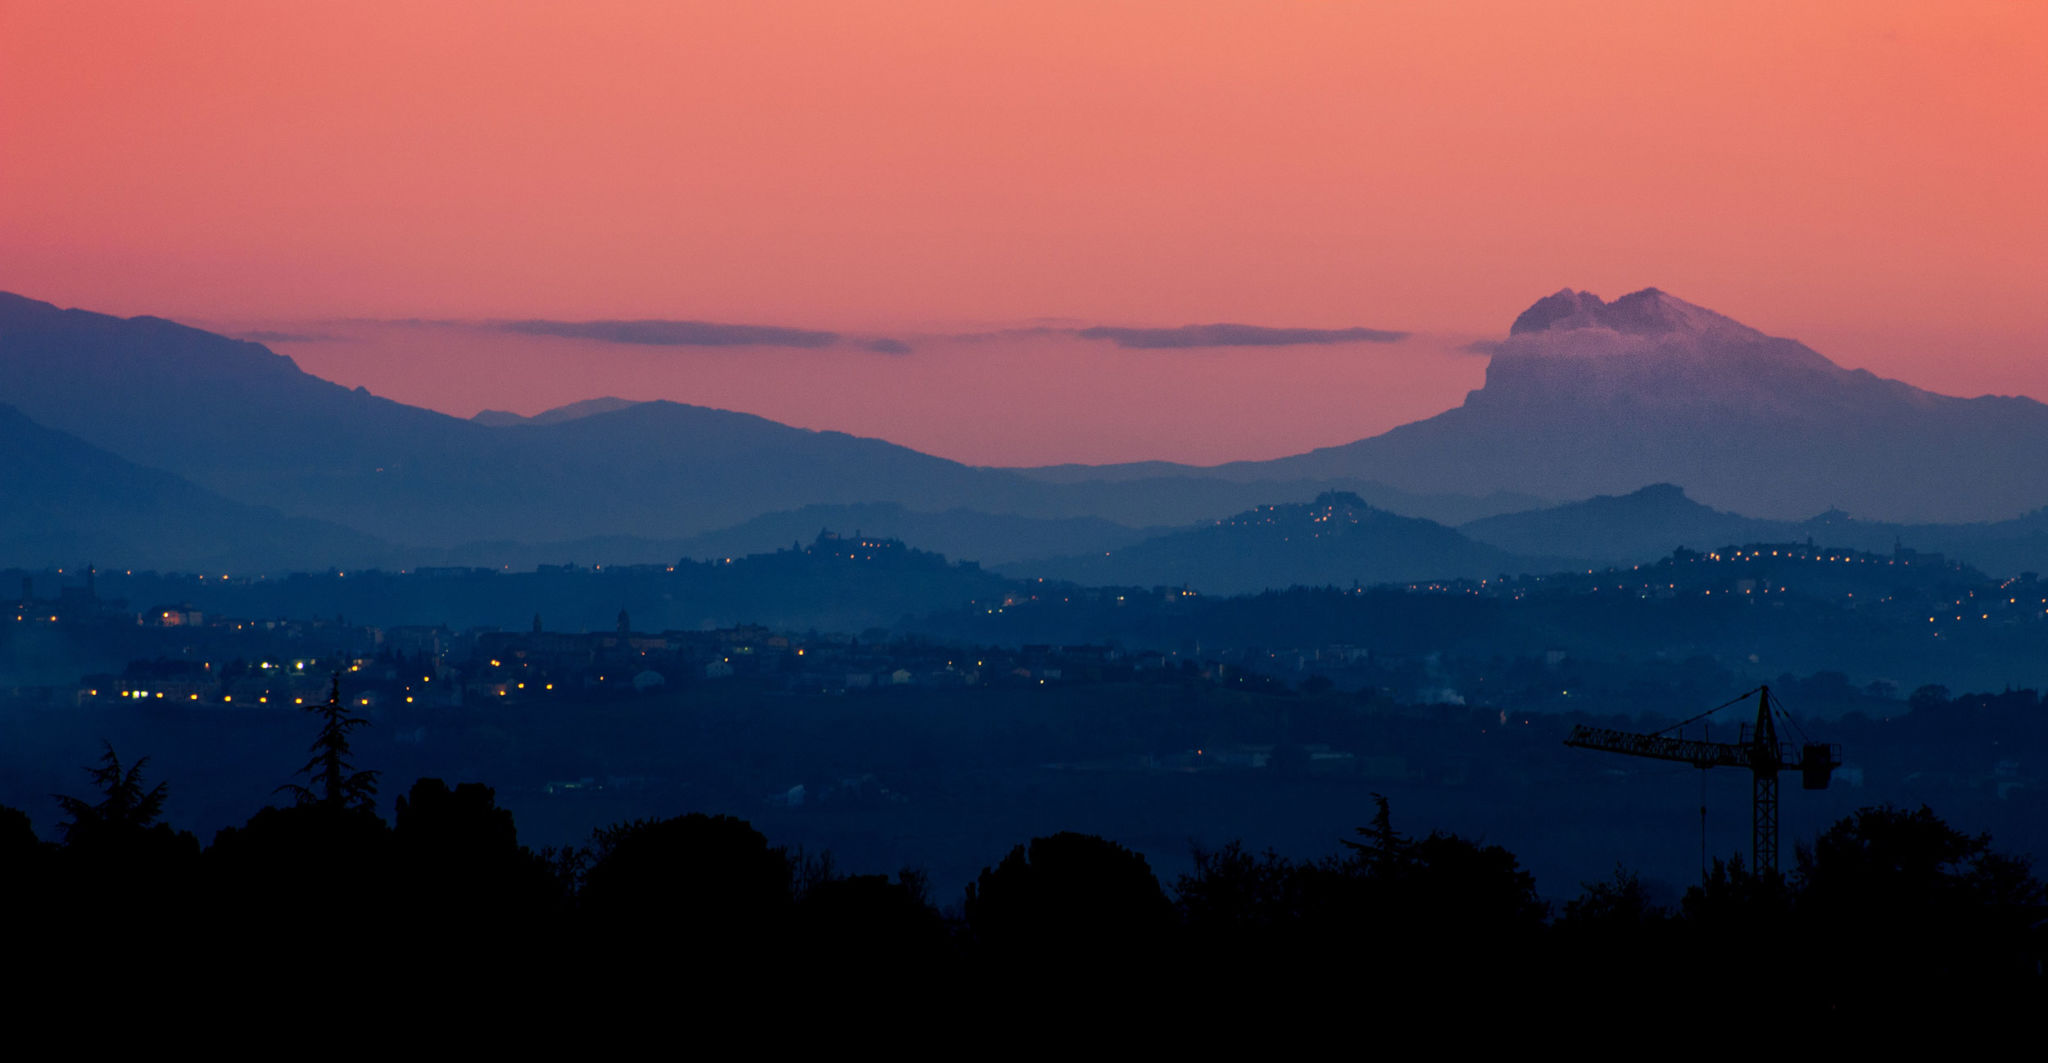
[[1383, 849], [124, 806], [340, 785]]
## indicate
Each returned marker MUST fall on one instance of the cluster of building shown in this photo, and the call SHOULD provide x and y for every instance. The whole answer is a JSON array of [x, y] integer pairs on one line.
[[245, 663]]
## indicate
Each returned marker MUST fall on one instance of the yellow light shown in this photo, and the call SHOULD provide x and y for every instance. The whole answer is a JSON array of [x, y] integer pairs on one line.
[[408, 699], [227, 697], [298, 701], [263, 701], [195, 697]]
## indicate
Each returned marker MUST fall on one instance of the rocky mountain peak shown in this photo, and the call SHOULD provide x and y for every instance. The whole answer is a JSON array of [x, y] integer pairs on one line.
[[1649, 312]]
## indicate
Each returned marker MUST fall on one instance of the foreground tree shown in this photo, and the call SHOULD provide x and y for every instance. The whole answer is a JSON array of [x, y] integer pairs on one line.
[[1890, 890], [326, 859], [1067, 896], [124, 808], [340, 784], [121, 873], [711, 884], [459, 864]]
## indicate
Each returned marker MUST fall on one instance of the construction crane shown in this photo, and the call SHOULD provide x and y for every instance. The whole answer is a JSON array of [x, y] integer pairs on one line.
[[1757, 749]]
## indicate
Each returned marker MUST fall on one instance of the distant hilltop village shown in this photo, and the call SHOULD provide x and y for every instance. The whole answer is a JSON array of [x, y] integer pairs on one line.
[[220, 641]]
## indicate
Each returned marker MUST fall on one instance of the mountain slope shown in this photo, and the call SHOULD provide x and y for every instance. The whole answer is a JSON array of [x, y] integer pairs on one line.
[[237, 419], [1648, 524], [570, 412], [1336, 539], [69, 503], [1586, 397], [1638, 527]]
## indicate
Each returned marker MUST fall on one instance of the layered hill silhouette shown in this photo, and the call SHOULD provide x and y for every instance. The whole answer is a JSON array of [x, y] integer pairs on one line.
[[1335, 539], [993, 538], [1586, 397], [237, 419], [1649, 523], [1583, 398], [1640, 526], [68, 502]]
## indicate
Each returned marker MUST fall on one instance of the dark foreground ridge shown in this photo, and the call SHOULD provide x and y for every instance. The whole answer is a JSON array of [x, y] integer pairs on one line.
[[1886, 908]]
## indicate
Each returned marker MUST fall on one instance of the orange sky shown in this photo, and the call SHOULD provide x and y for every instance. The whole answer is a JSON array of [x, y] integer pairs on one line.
[[1867, 177]]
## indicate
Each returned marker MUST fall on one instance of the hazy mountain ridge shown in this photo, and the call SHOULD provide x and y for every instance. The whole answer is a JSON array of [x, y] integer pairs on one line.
[[1586, 397], [1647, 524], [1576, 408], [959, 534], [1335, 539], [244, 422], [1635, 528], [568, 412], [70, 503]]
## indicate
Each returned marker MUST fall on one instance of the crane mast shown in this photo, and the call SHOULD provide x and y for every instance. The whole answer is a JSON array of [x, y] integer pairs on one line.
[[1758, 750]]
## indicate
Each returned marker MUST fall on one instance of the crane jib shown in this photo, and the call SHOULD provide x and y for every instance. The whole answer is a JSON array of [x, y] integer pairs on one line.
[[1759, 751], [1661, 747]]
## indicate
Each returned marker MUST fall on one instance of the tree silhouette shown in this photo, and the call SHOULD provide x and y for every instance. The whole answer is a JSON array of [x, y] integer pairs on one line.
[[1067, 895], [124, 809], [459, 859], [341, 786], [1383, 848], [1950, 908], [711, 882], [889, 925], [121, 875], [1237, 904]]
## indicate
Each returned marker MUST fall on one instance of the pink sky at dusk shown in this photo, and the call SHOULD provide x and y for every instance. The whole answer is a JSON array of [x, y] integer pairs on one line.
[[1866, 178]]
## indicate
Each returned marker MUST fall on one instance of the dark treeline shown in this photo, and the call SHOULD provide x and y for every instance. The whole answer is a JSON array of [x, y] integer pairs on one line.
[[1885, 906]]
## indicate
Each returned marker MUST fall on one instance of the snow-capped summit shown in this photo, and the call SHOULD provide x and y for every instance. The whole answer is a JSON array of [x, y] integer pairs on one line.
[[1650, 312]]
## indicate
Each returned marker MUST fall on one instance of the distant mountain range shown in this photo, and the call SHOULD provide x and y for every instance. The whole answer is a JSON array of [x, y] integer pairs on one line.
[[238, 420], [1648, 524], [1586, 397], [956, 533], [231, 451]]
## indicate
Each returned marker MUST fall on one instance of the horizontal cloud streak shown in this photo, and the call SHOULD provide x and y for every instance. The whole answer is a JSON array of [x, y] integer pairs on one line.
[[658, 333], [1227, 335], [273, 336]]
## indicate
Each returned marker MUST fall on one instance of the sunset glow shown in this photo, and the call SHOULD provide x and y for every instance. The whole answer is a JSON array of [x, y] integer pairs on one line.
[[1864, 178]]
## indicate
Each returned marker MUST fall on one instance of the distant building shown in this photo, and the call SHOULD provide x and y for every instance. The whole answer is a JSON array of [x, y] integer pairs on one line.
[[173, 616]]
